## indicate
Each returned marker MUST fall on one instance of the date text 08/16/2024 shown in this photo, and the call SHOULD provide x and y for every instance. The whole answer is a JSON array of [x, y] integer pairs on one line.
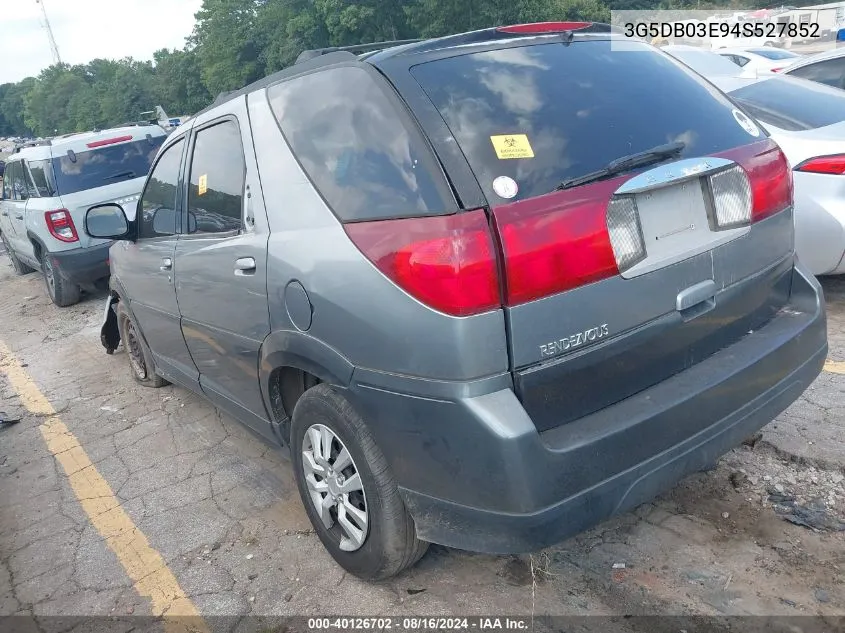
[[415, 623]]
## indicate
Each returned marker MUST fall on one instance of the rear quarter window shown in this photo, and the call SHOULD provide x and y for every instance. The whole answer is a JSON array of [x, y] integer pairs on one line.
[[572, 109], [830, 72], [792, 104], [42, 176], [774, 54], [105, 165], [360, 150]]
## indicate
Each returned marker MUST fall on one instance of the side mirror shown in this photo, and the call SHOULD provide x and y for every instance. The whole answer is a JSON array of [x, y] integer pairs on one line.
[[192, 222], [164, 221], [107, 221]]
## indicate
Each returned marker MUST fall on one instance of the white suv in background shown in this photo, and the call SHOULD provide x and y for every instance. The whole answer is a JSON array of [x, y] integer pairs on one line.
[[48, 187]]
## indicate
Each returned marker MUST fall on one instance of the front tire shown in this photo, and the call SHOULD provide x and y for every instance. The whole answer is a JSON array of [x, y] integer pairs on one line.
[[62, 292], [141, 363], [17, 265], [347, 489]]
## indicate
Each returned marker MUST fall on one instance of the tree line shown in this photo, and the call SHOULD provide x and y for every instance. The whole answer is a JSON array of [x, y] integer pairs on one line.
[[235, 42]]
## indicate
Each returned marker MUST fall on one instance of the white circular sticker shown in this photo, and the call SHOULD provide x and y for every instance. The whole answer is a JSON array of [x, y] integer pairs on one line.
[[505, 187], [747, 124]]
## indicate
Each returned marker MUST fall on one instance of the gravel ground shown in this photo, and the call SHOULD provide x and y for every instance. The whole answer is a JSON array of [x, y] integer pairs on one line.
[[221, 509]]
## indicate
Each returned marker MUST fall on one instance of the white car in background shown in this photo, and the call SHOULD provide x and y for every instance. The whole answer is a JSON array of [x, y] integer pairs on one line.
[[707, 63], [765, 60], [825, 68], [807, 120]]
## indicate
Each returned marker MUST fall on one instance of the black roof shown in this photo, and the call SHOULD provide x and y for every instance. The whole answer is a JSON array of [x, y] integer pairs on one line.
[[481, 36], [269, 80], [318, 58]]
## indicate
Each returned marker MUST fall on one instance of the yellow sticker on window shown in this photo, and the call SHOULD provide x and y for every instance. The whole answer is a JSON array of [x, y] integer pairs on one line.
[[203, 185], [512, 146]]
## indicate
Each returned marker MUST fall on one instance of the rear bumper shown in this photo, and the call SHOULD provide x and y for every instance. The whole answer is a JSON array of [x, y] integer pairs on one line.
[[475, 473], [83, 266]]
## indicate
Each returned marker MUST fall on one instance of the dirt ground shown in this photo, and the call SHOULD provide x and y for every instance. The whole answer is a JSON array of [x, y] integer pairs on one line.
[[216, 522]]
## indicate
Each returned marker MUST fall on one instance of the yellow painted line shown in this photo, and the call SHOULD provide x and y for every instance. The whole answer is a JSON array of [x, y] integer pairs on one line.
[[143, 564], [834, 367]]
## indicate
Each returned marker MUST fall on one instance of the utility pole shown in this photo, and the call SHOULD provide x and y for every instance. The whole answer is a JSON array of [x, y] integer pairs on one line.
[[54, 49]]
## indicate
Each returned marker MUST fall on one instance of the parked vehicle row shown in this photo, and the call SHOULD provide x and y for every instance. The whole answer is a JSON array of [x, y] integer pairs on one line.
[[47, 188], [409, 267], [760, 61], [807, 120]]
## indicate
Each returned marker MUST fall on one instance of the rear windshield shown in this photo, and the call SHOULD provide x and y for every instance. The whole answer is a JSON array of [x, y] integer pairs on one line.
[[792, 104], [545, 113], [105, 165], [775, 54]]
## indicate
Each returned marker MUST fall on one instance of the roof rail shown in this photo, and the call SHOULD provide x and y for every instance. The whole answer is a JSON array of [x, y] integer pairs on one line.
[[564, 30], [290, 71], [31, 144], [355, 48], [133, 124]]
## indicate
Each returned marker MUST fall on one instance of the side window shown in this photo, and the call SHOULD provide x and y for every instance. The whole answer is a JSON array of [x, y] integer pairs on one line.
[[7, 181], [17, 184], [361, 152], [157, 206], [218, 173], [739, 60], [31, 190], [830, 72], [42, 177]]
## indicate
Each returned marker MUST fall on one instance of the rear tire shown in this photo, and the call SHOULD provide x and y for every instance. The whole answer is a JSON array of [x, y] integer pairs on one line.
[[388, 544], [17, 265], [141, 363], [62, 292]]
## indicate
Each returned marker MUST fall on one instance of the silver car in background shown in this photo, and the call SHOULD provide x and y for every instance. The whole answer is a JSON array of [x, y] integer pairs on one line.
[[807, 120]]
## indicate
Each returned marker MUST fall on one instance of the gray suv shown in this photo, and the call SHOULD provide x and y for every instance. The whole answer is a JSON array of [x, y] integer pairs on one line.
[[487, 290]]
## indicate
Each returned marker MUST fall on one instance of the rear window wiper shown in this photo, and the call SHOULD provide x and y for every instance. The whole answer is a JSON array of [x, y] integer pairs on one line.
[[625, 163], [120, 174]]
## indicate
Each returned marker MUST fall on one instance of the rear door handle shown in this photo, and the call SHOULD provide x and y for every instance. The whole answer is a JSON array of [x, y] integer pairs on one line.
[[697, 300], [18, 217], [244, 266], [166, 264]]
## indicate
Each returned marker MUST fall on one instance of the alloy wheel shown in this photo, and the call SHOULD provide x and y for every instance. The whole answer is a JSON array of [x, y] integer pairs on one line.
[[335, 486]]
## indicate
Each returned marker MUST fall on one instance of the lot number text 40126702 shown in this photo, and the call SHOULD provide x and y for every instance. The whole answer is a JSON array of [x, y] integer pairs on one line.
[[415, 623]]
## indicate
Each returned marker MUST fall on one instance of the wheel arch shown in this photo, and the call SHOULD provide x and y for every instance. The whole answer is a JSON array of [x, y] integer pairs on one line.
[[110, 332], [38, 245], [290, 363]]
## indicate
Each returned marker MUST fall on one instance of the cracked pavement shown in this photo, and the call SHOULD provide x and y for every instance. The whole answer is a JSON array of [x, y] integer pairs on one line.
[[221, 508]]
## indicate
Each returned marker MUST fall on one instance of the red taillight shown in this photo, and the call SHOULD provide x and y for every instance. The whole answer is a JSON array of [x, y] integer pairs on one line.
[[446, 262], [108, 141], [556, 242], [60, 225], [769, 174], [544, 27], [834, 164], [776, 70]]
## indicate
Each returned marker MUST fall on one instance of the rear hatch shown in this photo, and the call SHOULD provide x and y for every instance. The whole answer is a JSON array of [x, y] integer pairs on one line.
[[112, 169], [616, 282]]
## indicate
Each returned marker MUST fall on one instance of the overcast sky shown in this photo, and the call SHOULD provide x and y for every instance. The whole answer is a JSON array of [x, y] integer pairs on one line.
[[88, 29]]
